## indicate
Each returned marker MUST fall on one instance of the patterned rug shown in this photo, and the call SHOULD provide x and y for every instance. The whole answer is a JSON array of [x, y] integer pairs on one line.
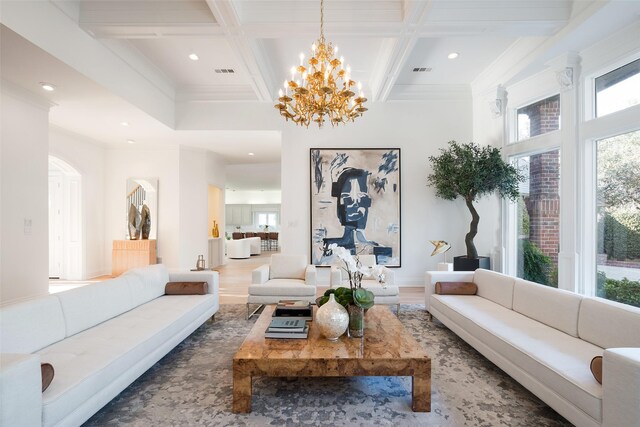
[[192, 386]]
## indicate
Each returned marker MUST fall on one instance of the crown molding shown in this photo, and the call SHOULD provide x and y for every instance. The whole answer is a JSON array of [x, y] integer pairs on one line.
[[430, 92], [215, 93], [19, 92]]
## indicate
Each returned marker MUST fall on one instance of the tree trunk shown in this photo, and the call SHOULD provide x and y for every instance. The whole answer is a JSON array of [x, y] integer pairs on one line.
[[472, 252]]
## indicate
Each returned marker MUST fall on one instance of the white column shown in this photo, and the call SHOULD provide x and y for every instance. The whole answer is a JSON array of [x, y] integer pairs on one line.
[[567, 69]]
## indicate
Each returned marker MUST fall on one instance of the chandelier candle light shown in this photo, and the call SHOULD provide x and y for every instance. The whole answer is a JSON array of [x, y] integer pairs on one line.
[[323, 88]]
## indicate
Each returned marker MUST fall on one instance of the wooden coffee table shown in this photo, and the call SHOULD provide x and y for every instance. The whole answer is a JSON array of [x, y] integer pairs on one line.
[[387, 349]]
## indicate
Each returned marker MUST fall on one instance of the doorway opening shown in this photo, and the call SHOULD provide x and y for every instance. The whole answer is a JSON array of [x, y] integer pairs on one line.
[[65, 221]]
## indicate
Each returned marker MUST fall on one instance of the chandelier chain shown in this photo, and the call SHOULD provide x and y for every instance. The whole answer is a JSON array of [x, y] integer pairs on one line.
[[322, 20]]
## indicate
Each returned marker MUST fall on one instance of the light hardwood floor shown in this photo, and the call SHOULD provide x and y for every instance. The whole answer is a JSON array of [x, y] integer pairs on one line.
[[235, 277]]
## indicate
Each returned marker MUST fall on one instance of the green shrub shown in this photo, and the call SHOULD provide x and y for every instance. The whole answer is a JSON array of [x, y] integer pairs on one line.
[[622, 235], [625, 291], [536, 264]]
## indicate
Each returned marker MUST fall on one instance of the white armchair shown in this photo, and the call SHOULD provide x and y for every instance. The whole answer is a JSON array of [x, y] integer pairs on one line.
[[285, 277], [389, 294]]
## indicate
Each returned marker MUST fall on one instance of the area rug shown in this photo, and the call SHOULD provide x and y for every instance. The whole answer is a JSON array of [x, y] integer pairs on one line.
[[192, 386]]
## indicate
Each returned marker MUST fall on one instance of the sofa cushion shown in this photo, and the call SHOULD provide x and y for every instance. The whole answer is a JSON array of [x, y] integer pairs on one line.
[[550, 356], [283, 287], [186, 288], [147, 283], [553, 307], [28, 326], [287, 266], [596, 368], [495, 287], [94, 359], [379, 290], [90, 305], [456, 288], [609, 324], [46, 372]]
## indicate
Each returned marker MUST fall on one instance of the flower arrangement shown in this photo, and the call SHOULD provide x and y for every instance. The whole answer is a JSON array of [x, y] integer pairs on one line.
[[355, 294]]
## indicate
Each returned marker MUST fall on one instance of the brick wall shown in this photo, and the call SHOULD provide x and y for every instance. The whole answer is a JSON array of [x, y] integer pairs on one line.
[[543, 202]]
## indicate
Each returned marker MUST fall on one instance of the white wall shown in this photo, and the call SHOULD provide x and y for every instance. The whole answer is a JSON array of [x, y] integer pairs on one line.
[[419, 129], [24, 251], [253, 197], [128, 162], [193, 204], [88, 158]]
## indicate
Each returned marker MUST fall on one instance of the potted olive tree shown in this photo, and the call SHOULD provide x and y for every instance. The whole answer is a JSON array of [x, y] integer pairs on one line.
[[471, 171]]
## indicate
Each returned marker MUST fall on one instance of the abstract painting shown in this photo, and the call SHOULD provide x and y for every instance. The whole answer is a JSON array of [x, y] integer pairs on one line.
[[355, 203]]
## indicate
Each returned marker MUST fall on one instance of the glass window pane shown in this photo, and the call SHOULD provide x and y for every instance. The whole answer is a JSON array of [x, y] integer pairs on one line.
[[538, 118], [618, 89], [538, 213], [262, 219], [272, 220], [618, 218]]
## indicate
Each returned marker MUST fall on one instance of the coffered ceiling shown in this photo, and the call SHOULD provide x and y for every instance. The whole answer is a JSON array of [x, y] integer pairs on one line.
[[114, 59]]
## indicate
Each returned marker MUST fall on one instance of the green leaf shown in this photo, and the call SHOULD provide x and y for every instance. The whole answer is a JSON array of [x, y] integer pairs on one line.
[[329, 292], [322, 300], [363, 298]]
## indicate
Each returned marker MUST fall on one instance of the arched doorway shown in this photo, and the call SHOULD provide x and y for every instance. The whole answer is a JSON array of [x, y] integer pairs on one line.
[[65, 221]]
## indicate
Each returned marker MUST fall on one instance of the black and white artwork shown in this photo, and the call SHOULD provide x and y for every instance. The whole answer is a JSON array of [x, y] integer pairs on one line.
[[355, 203]]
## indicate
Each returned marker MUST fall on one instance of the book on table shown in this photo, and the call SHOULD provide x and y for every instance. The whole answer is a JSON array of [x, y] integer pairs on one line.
[[293, 304], [287, 324], [287, 335], [294, 308]]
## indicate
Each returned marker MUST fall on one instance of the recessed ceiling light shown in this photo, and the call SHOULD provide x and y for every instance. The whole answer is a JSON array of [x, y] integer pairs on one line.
[[124, 123], [47, 86], [251, 154], [193, 57], [131, 141], [452, 55]]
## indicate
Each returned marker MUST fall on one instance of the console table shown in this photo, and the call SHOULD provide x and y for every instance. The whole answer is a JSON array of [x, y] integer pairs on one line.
[[128, 254]]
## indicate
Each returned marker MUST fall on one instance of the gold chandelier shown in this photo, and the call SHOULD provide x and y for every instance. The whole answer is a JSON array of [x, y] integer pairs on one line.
[[324, 88]]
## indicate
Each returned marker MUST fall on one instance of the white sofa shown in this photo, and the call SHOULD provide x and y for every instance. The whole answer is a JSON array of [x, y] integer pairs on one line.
[[99, 339], [545, 339]]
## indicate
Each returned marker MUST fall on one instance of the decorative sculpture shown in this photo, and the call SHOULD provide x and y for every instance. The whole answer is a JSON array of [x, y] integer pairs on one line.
[[134, 223], [145, 223]]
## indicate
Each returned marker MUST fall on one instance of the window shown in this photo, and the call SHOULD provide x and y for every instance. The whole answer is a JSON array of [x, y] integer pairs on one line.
[[538, 218], [267, 218], [618, 89], [538, 118], [618, 218]]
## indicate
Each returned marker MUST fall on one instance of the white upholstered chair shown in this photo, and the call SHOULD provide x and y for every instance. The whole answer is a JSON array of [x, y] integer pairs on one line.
[[389, 294], [238, 249], [254, 244], [285, 277]]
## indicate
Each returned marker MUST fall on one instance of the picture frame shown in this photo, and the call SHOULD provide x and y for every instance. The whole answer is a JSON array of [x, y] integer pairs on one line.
[[355, 202]]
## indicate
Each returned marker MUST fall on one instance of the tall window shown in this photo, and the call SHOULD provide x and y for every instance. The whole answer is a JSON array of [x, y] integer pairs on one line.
[[618, 218], [538, 118], [618, 89], [538, 218]]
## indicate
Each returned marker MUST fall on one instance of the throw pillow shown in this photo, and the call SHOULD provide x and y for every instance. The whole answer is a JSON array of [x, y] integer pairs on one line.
[[186, 288], [456, 288], [596, 368], [47, 375]]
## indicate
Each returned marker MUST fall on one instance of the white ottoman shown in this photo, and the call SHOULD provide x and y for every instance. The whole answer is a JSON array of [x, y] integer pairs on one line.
[[238, 249]]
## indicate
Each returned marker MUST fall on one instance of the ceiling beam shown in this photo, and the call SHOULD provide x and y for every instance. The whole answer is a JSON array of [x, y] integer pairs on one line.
[[254, 66], [395, 53]]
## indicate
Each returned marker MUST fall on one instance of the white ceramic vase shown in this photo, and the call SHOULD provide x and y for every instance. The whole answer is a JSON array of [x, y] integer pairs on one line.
[[332, 319]]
